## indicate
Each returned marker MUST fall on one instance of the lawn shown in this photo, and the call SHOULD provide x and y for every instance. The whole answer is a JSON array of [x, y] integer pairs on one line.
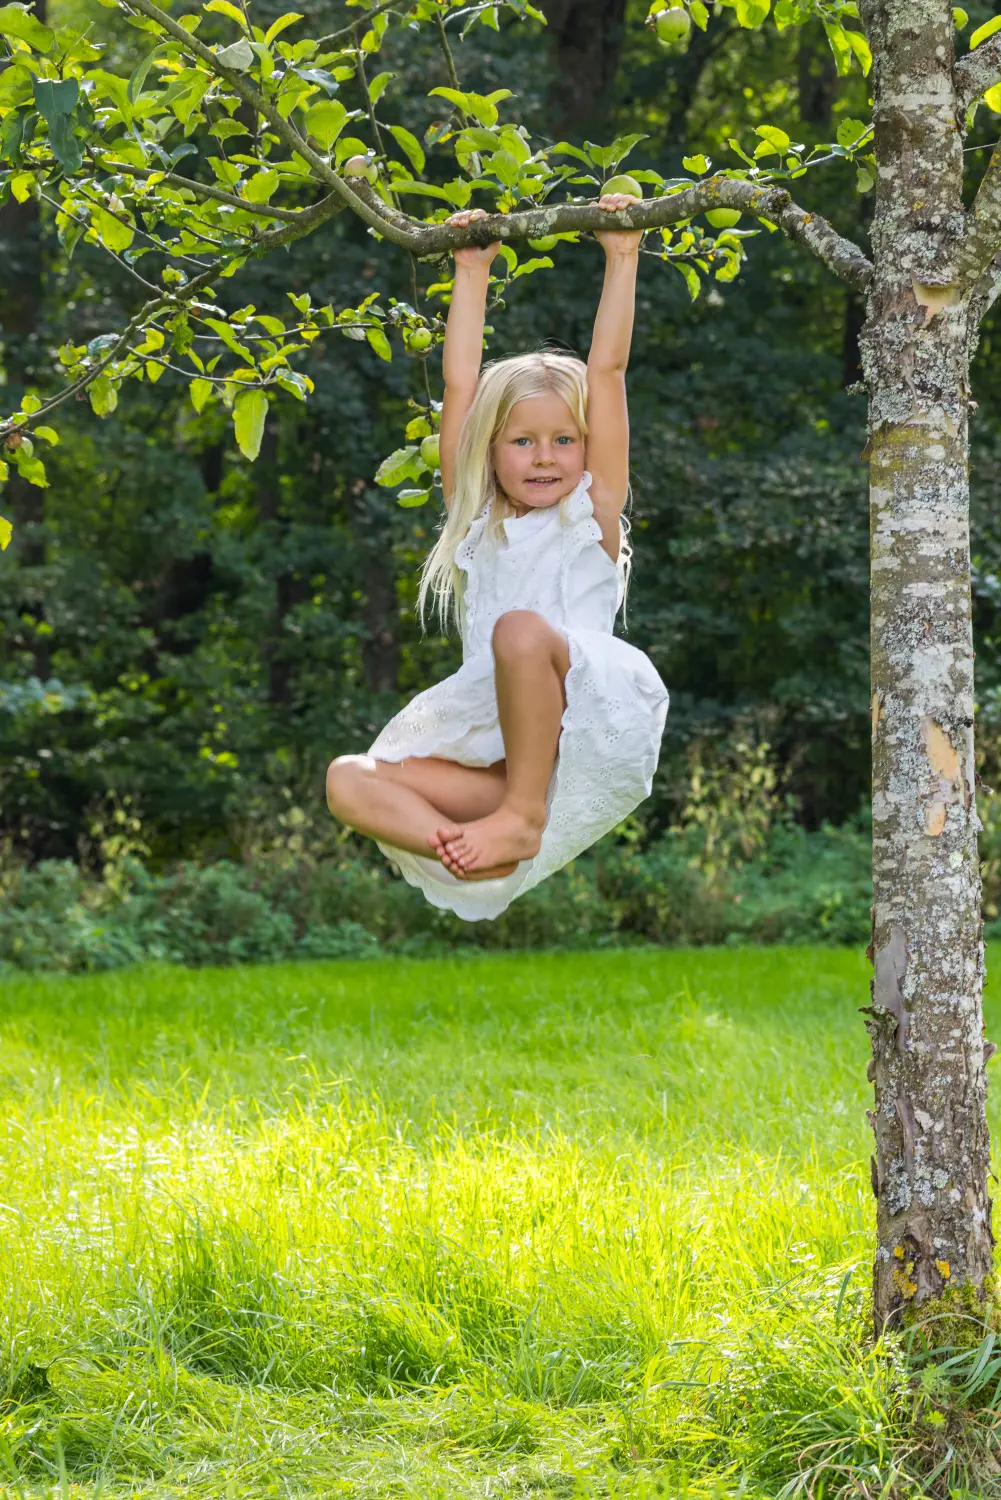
[[544, 1225]]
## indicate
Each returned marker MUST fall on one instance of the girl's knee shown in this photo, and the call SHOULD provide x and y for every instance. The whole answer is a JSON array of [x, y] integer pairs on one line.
[[521, 632], [345, 785]]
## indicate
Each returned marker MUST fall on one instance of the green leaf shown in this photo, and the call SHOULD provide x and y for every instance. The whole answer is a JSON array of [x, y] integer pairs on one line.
[[56, 103], [271, 325], [226, 9], [698, 164], [409, 499], [410, 144], [114, 235], [30, 468], [239, 56], [6, 530], [11, 135], [752, 12], [249, 411], [398, 466], [691, 278], [379, 343], [378, 86], [277, 27], [959, 17], [199, 391], [841, 48], [48, 433], [773, 138], [699, 14], [103, 396], [223, 130], [860, 47], [114, 88], [540, 263], [229, 339], [138, 78], [15, 85], [260, 187], [19, 21], [981, 34], [326, 120], [850, 132]]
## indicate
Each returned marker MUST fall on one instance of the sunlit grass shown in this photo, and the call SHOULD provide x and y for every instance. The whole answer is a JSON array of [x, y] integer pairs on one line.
[[591, 1225]]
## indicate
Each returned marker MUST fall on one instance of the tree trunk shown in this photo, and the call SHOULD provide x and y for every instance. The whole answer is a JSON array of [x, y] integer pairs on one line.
[[585, 38], [932, 1147]]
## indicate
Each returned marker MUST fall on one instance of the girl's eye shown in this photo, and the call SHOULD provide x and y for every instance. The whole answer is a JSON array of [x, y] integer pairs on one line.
[[523, 440], [564, 439]]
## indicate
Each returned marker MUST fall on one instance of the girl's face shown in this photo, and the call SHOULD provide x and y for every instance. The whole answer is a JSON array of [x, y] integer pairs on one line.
[[539, 455]]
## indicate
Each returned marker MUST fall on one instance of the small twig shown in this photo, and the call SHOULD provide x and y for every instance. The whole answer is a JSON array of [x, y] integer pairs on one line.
[[335, 36], [453, 78], [144, 315]]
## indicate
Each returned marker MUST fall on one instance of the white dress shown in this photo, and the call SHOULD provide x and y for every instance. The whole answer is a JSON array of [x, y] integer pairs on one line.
[[550, 561]]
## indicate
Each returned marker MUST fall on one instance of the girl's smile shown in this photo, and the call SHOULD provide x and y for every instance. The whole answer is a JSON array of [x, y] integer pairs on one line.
[[539, 455]]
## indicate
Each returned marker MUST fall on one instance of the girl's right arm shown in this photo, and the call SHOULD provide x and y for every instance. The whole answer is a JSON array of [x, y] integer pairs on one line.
[[463, 349]]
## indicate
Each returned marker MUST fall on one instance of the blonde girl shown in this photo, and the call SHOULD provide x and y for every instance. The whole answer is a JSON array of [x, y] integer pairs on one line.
[[549, 733]]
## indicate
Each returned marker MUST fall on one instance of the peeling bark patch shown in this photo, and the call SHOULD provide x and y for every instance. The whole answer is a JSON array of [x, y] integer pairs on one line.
[[942, 754], [935, 815], [877, 709], [934, 299], [943, 758], [890, 967]]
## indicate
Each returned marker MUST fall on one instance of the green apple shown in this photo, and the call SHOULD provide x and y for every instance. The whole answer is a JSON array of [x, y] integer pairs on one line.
[[547, 242], [429, 451], [623, 184], [673, 25], [723, 218], [417, 340], [360, 166]]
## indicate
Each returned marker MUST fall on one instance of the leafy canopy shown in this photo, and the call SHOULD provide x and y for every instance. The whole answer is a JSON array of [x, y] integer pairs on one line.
[[228, 141]]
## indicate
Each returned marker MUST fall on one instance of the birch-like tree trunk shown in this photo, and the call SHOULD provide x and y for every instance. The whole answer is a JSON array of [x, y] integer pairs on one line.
[[932, 1156]]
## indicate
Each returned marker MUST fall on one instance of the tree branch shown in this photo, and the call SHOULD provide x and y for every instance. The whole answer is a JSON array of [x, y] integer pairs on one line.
[[368, 15], [148, 311], [201, 190], [286, 133], [977, 71], [765, 201], [983, 226], [762, 201]]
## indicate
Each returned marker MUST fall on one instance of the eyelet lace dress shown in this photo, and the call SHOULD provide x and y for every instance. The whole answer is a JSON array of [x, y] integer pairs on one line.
[[550, 561]]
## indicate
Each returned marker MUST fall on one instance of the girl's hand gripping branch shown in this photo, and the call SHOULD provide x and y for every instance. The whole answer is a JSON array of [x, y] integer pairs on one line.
[[463, 349], [607, 411]]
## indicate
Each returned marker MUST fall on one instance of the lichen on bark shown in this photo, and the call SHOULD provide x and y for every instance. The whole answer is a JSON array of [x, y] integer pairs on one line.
[[925, 1020]]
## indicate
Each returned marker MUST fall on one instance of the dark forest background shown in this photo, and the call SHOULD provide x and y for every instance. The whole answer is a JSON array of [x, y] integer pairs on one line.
[[187, 639]]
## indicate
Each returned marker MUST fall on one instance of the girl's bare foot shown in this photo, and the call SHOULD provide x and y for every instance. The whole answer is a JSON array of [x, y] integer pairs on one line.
[[439, 846], [482, 849]]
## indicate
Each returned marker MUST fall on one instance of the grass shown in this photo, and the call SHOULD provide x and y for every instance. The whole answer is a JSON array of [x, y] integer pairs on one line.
[[555, 1225]]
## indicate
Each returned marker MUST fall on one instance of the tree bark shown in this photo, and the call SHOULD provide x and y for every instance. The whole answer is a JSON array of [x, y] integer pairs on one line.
[[932, 1147], [585, 38]]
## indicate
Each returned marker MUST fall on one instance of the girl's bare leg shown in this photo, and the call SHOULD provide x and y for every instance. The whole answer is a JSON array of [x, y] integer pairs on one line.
[[531, 663], [403, 803]]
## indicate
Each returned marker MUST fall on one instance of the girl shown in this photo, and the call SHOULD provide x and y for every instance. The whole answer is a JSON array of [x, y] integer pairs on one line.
[[549, 733]]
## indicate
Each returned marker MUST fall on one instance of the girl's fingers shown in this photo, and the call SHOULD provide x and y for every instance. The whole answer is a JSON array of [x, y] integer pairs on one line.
[[611, 203]]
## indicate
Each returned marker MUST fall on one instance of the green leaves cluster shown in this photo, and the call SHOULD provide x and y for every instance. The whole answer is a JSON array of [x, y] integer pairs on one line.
[[216, 147]]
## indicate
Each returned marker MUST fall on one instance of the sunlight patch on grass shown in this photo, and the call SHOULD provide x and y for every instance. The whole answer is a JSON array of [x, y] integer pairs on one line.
[[548, 1225]]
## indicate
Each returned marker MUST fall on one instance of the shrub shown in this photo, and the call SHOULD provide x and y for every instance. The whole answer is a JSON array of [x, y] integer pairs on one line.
[[798, 887]]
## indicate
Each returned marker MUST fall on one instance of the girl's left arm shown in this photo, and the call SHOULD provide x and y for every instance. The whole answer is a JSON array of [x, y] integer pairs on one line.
[[607, 409]]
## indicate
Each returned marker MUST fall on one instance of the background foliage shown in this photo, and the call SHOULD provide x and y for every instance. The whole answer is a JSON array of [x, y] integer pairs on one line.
[[191, 638]]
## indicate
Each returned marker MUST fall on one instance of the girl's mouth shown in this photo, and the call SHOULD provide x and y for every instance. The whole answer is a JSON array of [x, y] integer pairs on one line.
[[550, 479]]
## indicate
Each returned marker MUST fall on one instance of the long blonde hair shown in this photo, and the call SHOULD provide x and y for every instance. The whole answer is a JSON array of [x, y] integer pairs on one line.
[[502, 385]]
